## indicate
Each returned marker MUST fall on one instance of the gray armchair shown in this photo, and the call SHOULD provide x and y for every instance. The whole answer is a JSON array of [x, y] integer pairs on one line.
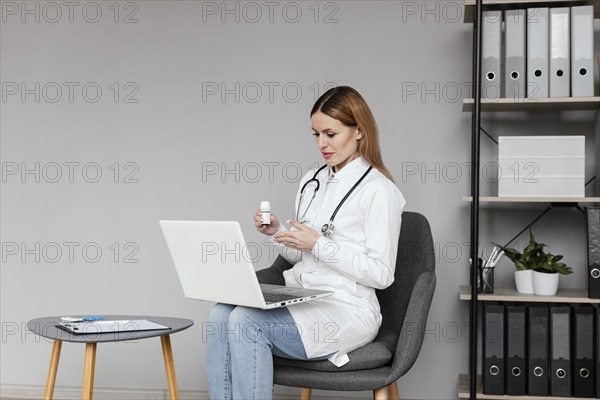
[[404, 306]]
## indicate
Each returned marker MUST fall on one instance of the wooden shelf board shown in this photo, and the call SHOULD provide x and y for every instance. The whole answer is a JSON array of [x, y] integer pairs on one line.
[[495, 199], [463, 392], [509, 294], [514, 4], [541, 105]]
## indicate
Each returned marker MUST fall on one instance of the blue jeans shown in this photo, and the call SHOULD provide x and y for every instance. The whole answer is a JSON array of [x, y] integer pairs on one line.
[[240, 344]]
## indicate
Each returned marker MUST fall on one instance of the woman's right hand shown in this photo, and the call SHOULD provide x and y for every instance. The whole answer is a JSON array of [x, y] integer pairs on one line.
[[266, 229]]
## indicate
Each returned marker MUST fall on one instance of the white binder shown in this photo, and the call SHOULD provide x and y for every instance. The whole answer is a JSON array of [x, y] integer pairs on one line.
[[582, 51], [514, 55], [537, 52], [560, 52], [490, 60]]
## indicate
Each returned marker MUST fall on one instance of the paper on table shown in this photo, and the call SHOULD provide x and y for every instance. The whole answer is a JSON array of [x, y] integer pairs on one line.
[[110, 326]]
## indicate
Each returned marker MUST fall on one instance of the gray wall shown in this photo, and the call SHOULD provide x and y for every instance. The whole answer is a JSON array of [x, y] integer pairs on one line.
[[201, 115]]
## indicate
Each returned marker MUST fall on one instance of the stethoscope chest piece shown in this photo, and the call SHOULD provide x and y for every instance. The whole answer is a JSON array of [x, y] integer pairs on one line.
[[327, 229]]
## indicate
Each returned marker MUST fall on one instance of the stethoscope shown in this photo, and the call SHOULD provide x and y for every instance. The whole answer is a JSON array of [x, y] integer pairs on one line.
[[328, 228]]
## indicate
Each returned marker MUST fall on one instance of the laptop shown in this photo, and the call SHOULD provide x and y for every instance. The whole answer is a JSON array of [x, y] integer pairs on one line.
[[213, 264]]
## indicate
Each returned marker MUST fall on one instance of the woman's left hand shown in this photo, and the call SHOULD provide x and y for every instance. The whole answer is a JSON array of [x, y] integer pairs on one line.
[[303, 239]]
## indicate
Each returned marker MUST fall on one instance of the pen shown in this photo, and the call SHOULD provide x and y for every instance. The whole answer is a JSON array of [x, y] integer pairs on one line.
[[498, 256], [494, 252]]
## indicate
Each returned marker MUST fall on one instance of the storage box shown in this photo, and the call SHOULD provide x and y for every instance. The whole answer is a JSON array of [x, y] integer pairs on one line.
[[541, 166]]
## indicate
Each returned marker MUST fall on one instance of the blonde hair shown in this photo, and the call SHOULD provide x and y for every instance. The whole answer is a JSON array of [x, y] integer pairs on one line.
[[347, 106]]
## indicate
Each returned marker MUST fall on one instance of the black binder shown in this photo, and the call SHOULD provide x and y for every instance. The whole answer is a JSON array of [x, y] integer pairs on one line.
[[560, 351], [597, 345], [597, 172], [515, 351], [583, 351], [593, 241], [538, 340], [493, 349]]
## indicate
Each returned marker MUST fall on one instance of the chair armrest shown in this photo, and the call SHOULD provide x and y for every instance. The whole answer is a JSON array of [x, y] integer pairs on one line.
[[274, 274], [414, 326]]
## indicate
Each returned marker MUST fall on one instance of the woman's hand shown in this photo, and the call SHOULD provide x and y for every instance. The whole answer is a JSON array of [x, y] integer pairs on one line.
[[303, 239], [266, 229]]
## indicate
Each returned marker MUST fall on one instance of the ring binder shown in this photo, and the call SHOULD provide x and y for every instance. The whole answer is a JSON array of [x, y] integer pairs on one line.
[[593, 245], [538, 350], [583, 351], [582, 54], [597, 344], [491, 58], [537, 52], [493, 349], [560, 354], [515, 351], [560, 52], [514, 54]]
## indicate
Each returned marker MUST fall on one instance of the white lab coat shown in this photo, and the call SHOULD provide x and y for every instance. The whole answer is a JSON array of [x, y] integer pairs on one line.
[[358, 258]]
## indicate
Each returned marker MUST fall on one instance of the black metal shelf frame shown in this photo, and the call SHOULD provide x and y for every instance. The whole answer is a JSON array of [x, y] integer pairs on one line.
[[474, 239]]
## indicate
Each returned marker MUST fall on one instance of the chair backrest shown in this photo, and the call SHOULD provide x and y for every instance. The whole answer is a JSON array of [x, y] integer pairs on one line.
[[416, 254]]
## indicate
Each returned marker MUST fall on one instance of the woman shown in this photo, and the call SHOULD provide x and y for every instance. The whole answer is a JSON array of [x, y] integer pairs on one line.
[[351, 252]]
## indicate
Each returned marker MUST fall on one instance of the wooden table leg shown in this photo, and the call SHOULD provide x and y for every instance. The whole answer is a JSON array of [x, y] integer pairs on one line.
[[52, 370], [170, 367], [89, 365]]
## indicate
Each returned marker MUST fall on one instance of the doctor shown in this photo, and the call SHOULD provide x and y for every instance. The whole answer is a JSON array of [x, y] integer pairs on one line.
[[343, 239]]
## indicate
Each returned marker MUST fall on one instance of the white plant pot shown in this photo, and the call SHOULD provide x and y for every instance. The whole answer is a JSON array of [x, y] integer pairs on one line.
[[545, 284], [524, 281]]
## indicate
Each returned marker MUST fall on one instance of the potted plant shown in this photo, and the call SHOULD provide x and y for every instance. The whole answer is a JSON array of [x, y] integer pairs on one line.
[[537, 272]]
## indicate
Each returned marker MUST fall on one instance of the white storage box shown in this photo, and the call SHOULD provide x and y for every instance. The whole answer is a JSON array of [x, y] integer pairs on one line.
[[541, 166]]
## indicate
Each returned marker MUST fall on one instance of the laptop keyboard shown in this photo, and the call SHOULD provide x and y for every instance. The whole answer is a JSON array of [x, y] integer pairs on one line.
[[278, 297]]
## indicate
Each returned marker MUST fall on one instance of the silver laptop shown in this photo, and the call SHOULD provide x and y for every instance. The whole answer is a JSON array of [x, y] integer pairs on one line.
[[213, 263]]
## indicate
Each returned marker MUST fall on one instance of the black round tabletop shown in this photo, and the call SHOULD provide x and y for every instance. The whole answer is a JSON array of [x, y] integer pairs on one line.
[[46, 327]]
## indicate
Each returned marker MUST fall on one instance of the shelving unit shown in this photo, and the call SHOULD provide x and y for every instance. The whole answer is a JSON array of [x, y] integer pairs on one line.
[[470, 386]]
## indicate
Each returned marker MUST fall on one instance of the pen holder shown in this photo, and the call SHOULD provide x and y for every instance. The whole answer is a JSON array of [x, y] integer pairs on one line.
[[485, 280]]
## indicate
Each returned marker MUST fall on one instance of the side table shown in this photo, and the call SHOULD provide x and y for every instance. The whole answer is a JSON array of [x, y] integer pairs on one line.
[[46, 327]]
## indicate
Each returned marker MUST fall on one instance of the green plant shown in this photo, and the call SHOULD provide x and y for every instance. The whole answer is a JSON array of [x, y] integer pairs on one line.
[[533, 257]]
